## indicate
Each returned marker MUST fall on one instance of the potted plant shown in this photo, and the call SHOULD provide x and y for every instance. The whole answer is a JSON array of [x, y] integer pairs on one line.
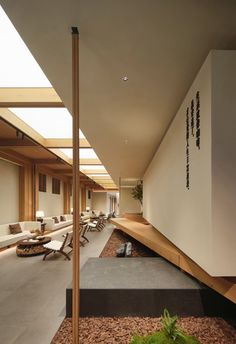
[[169, 334], [137, 192]]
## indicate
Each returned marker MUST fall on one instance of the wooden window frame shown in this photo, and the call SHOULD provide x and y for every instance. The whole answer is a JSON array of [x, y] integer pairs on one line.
[[56, 186], [42, 182]]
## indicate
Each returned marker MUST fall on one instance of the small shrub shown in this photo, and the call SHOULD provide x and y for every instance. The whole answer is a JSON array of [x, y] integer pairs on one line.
[[137, 191], [170, 334]]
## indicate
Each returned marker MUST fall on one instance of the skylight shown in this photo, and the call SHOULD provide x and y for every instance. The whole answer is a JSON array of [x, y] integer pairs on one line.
[[48, 122], [85, 153], [18, 68]]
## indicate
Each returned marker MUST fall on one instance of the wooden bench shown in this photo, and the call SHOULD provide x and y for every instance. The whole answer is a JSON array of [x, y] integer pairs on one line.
[[153, 239]]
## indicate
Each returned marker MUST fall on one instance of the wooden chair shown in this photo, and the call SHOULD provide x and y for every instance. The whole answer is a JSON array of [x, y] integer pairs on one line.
[[58, 246], [83, 230], [97, 225]]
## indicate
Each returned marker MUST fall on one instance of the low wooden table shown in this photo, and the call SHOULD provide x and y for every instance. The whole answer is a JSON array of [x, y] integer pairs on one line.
[[28, 248]]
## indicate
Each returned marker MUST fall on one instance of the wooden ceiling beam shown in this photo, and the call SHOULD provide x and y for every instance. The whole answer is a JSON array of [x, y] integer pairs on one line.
[[101, 178], [10, 118], [14, 157], [47, 161], [65, 143], [90, 162], [9, 143], [17, 123], [88, 172], [63, 171], [111, 189], [29, 97]]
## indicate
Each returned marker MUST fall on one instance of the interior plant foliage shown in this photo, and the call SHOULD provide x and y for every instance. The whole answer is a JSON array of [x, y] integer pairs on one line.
[[137, 192], [169, 334]]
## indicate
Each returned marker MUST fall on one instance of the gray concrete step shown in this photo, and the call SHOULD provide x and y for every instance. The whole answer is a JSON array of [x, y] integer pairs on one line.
[[143, 287]]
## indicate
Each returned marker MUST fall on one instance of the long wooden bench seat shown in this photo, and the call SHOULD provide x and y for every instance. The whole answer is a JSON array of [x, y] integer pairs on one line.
[[152, 238]]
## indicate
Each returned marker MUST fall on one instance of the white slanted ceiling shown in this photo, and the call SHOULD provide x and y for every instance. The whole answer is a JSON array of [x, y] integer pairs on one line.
[[158, 45]]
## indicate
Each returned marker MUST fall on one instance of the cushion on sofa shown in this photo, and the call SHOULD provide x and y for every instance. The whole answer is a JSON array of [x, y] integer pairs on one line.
[[51, 224], [15, 228], [62, 218], [55, 218], [6, 238]]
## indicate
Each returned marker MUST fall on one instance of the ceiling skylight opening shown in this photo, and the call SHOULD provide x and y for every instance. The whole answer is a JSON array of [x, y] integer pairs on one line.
[[18, 68], [85, 153], [48, 122], [81, 135]]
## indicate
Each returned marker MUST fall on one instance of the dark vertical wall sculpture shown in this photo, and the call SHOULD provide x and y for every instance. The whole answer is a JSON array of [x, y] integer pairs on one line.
[[198, 120], [187, 148], [194, 122]]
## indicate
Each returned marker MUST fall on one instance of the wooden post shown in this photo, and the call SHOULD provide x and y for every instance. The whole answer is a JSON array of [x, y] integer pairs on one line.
[[26, 198], [36, 200], [76, 185], [66, 197], [83, 199]]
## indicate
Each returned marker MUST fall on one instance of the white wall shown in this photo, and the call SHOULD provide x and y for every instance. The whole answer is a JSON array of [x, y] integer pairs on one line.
[[200, 220], [100, 201], [127, 203], [224, 161], [50, 203], [9, 192]]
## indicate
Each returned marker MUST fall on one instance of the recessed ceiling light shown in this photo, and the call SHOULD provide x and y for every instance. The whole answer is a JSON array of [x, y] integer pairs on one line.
[[125, 78]]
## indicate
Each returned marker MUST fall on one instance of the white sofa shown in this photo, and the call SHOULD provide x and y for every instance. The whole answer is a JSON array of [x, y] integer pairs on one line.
[[7, 239], [52, 226]]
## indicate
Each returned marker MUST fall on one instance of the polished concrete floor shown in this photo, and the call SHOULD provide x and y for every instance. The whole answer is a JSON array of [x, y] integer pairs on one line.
[[32, 291]]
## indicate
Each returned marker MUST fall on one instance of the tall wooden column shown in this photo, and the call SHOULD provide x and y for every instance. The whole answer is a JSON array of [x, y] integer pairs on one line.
[[83, 199], [26, 194], [66, 198], [76, 185]]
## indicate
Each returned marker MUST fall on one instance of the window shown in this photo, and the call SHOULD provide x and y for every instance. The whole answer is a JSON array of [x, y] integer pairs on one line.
[[56, 186], [42, 182], [89, 194]]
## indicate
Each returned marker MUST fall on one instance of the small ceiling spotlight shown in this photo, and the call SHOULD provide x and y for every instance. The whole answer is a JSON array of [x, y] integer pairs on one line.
[[125, 78]]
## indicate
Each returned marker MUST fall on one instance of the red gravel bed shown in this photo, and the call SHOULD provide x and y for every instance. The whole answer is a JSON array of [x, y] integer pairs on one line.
[[117, 238], [120, 330]]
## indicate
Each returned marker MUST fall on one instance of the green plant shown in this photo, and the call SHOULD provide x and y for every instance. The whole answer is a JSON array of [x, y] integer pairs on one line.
[[137, 191], [170, 334]]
